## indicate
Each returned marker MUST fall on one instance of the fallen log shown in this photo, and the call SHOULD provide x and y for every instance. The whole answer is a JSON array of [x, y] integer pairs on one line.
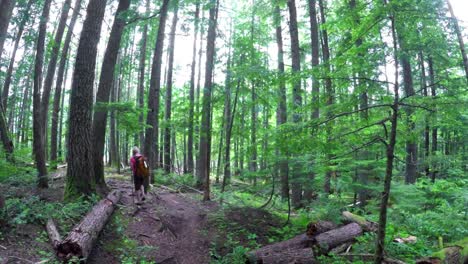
[[53, 233], [456, 253], [80, 241], [315, 228], [367, 226], [291, 247], [324, 242], [296, 256], [368, 258]]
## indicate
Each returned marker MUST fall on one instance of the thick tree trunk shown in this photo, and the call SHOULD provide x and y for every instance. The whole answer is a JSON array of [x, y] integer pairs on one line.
[[103, 94], [152, 132], [80, 241], [141, 78], [52, 67], [297, 97], [58, 86], [6, 8], [80, 170], [205, 129], [38, 132], [281, 111], [190, 163], [6, 85], [168, 162], [6, 141]]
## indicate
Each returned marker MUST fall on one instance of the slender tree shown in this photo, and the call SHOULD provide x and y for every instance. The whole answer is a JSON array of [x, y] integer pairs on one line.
[[58, 85], [103, 93], [461, 43], [205, 129], [38, 136], [152, 131], [141, 77], [80, 169], [168, 162]]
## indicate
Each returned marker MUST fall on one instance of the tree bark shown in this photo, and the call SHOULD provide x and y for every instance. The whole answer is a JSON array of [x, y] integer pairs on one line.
[[58, 86], [168, 162], [53, 233], [152, 132], [38, 132], [103, 94], [6, 9], [434, 128], [6, 85], [141, 77], [190, 163], [390, 155], [80, 241], [281, 111], [80, 172], [460, 39], [326, 241], [297, 97], [205, 129], [52, 67]]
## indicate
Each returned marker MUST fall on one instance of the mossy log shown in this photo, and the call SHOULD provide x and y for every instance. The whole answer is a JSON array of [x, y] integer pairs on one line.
[[367, 226], [455, 253], [80, 241], [315, 228]]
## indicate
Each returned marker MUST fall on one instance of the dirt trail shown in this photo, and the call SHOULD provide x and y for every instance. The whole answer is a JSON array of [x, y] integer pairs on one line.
[[171, 226]]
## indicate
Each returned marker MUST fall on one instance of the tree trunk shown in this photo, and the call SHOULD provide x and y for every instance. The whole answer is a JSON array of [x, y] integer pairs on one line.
[[460, 39], [168, 163], [58, 86], [141, 78], [314, 36], [328, 89], [326, 241], [253, 135], [38, 132], [411, 147], [281, 114], [434, 128], [297, 97], [103, 94], [6, 85], [152, 132], [80, 171], [380, 241], [199, 181], [427, 139], [190, 164], [80, 241], [52, 67], [205, 129], [6, 9]]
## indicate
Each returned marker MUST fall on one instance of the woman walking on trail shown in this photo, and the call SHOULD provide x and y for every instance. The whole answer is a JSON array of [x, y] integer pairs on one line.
[[140, 172]]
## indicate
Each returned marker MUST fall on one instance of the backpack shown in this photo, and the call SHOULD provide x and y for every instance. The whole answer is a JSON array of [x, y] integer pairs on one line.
[[142, 168]]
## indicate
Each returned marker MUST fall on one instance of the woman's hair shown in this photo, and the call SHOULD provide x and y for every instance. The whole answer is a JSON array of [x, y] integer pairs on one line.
[[135, 150]]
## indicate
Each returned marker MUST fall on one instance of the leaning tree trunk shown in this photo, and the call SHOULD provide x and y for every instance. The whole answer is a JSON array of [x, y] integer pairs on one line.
[[51, 67], [205, 130], [38, 135], [168, 162], [281, 112], [297, 98], [460, 39], [6, 8], [80, 241], [58, 85], [103, 94], [6, 85], [80, 171], [152, 131]]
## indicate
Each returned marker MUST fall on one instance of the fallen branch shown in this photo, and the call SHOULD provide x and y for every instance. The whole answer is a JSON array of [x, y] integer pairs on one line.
[[81, 239], [53, 233]]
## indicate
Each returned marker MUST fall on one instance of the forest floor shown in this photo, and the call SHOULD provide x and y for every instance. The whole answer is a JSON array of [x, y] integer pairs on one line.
[[170, 227]]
